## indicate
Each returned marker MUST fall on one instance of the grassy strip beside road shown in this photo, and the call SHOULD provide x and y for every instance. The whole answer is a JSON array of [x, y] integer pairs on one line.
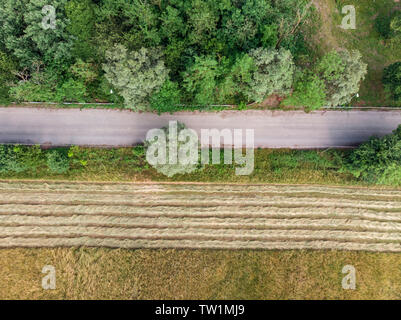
[[129, 164]]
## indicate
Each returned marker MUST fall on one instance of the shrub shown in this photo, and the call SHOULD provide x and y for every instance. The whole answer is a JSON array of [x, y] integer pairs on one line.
[[167, 98], [392, 80], [378, 160], [57, 162], [200, 80], [32, 91], [17, 159], [168, 169], [309, 92], [71, 91]]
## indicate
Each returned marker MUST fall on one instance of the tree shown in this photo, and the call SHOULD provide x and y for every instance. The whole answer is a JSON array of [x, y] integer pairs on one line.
[[342, 73], [273, 75], [185, 149], [392, 80], [237, 82], [81, 26], [7, 77], [137, 75], [201, 78], [167, 98], [378, 160], [23, 35]]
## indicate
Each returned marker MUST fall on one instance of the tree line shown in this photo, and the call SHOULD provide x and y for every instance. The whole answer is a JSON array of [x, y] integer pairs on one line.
[[157, 55]]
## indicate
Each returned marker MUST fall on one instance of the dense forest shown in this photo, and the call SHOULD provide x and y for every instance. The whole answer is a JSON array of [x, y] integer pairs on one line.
[[163, 55]]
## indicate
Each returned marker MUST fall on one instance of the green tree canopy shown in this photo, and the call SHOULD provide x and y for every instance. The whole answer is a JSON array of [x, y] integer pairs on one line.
[[22, 34], [342, 73], [273, 75], [136, 75]]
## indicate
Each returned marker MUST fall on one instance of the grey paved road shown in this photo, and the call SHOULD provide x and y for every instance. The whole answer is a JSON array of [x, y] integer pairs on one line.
[[273, 129]]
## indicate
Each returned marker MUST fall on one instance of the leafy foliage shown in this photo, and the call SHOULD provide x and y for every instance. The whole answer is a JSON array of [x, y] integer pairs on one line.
[[392, 80], [170, 169], [378, 160], [273, 75], [137, 75], [342, 73], [309, 91], [57, 162], [22, 34], [153, 54], [167, 99]]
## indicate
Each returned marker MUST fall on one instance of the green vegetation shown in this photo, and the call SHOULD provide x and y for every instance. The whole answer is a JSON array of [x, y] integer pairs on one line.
[[376, 162], [173, 55], [392, 80], [151, 55], [334, 81], [371, 38]]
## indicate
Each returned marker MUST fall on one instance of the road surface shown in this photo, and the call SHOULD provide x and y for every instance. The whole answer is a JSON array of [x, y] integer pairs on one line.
[[272, 129]]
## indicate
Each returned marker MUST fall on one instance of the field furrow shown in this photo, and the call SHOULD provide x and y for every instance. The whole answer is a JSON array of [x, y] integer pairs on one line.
[[127, 215]]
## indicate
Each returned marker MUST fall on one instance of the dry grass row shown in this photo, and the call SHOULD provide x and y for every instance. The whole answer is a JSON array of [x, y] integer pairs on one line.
[[209, 216]]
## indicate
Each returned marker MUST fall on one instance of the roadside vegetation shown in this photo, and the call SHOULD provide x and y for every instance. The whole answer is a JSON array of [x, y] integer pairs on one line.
[[374, 162], [171, 55]]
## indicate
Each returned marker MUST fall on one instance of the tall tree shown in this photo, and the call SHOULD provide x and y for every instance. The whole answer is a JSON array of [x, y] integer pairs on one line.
[[273, 75], [342, 73], [23, 34], [137, 74]]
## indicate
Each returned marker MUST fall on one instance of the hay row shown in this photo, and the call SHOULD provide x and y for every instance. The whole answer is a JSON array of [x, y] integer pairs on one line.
[[191, 200], [225, 212], [201, 223], [199, 234], [210, 216], [152, 188], [27, 242]]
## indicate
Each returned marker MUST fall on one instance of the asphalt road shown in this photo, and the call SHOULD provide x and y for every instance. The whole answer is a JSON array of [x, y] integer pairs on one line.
[[273, 129]]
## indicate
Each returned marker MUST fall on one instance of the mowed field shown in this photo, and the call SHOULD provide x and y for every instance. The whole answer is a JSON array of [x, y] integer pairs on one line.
[[199, 216]]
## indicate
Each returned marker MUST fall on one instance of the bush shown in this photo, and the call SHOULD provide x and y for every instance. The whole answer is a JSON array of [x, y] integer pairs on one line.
[[167, 99], [17, 159], [382, 24], [378, 160], [71, 91], [392, 80], [309, 92], [167, 168], [32, 91], [57, 162], [200, 80]]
